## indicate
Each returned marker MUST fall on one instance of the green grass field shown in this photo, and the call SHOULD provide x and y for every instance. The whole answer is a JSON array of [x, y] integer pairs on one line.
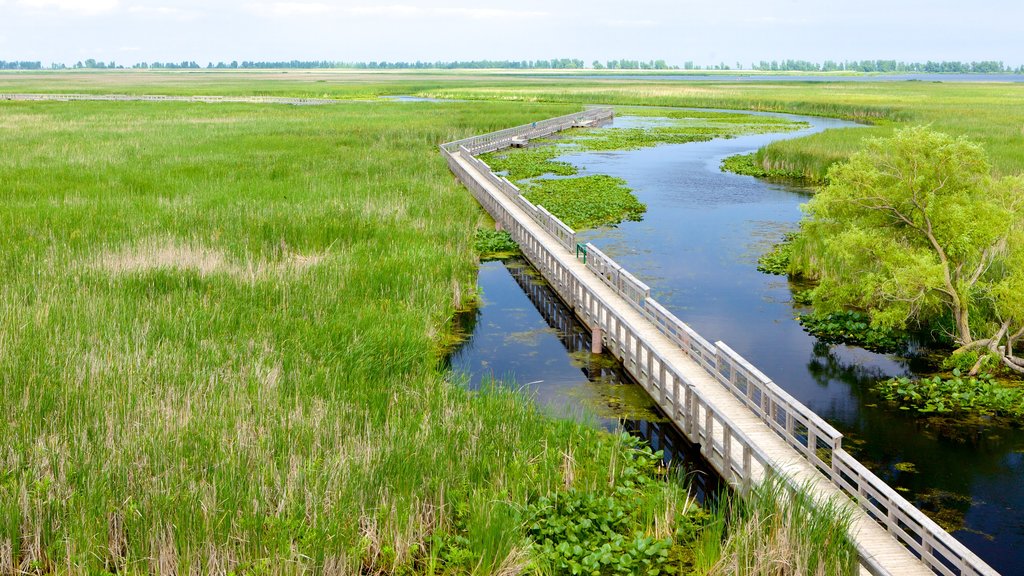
[[989, 113], [219, 330], [220, 324]]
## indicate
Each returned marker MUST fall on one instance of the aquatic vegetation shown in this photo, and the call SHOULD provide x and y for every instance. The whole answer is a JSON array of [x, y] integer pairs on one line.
[[908, 467], [616, 400], [803, 297], [586, 202], [854, 328], [523, 163], [494, 244], [947, 509], [776, 261], [752, 165], [607, 530], [978, 395]]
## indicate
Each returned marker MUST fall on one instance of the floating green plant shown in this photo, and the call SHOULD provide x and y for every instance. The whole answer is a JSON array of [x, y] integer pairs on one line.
[[588, 201]]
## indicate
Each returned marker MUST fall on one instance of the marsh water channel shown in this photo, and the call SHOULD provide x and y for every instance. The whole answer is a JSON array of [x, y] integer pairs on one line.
[[697, 247]]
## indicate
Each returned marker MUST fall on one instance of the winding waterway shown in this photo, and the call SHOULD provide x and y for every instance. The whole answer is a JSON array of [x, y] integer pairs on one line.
[[697, 247]]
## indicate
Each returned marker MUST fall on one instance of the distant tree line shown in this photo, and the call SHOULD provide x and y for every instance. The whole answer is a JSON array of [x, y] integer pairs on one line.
[[559, 63], [957, 67], [5, 65], [633, 65], [982, 67]]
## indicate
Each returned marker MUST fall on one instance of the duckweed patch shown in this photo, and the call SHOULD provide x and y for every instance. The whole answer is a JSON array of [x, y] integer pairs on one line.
[[982, 395], [523, 163], [494, 244], [587, 201], [776, 261], [854, 328], [908, 467], [945, 508], [618, 401]]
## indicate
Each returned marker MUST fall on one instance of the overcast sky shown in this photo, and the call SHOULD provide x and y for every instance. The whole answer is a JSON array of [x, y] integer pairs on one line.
[[704, 31]]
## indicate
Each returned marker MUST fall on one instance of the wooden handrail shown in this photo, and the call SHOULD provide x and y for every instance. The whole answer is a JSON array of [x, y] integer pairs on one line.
[[734, 455]]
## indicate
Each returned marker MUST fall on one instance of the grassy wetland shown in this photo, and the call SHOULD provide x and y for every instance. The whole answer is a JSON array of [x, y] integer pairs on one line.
[[987, 113], [219, 347], [220, 328]]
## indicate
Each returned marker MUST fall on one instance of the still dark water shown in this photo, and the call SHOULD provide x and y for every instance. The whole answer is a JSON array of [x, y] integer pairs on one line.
[[523, 334], [697, 247]]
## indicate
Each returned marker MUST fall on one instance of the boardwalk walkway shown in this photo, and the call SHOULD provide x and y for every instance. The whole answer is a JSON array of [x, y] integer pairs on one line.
[[745, 425]]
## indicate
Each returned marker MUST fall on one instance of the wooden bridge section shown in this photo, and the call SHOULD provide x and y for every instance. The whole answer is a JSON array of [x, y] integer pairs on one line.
[[746, 425]]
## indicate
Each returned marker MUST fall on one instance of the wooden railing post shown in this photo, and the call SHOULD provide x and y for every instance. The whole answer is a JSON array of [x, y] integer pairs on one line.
[[638, 355]]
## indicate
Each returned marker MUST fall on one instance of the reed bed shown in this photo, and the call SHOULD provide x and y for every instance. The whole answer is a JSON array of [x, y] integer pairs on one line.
[[219, 331], [778, 530]]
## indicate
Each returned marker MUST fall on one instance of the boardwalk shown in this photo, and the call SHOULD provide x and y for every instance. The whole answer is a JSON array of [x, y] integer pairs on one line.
[[745, 425]]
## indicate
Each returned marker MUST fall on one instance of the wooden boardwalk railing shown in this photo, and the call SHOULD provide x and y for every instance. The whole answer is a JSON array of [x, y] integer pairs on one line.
[[746, 425]]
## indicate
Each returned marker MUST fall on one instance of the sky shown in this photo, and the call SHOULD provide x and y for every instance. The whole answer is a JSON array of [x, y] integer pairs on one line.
[[705, 32]]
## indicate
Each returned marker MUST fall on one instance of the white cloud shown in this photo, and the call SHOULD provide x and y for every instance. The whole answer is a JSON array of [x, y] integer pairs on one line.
[[76, 6], [626, 23], [393, 11], [164, 12], [292, 8], [491, 13]]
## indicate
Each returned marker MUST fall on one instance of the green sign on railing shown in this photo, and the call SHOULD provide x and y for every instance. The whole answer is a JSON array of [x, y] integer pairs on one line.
[[581, 249]]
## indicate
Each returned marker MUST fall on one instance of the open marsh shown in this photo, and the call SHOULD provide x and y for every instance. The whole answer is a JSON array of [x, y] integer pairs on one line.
[[219, 333], [220, 323]]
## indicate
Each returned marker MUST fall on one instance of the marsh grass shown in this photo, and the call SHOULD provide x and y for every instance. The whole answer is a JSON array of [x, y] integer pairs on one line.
[[219, 328], [777, 531]]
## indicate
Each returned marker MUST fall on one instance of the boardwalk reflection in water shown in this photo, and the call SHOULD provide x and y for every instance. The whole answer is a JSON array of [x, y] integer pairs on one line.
[[524, 335]]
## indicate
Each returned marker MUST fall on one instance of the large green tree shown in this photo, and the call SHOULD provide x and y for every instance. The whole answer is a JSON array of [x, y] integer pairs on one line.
[[915, 228]]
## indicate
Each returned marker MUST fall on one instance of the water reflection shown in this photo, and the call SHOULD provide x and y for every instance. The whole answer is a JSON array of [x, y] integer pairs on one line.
[[523, 334]]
